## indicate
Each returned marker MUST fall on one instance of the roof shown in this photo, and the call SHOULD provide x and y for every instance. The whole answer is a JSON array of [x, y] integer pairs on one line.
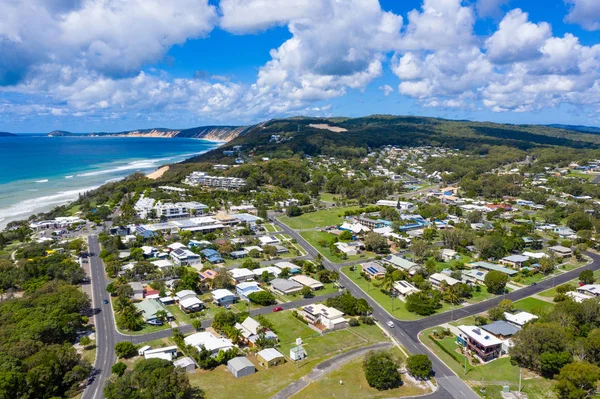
[[501, 327], [593, 288], [330, 313], [185, 293], [492, 266], [560, 248], [161, 350], [274, 270], [400, 262], [184, 362], [516, 258], [481, 337], [404, 287], [190, 302], [239, 363], [270, 354], [519, 318], [240, 272], [208, 341], [222, 293], [373, 268], [307, 281], [246, 285], [136, 285], [251, 325], [149, 307], [283, 285], [442, 277]]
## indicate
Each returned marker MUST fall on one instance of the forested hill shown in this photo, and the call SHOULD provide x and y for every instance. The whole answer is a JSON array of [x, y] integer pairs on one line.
[[218, 133], [6, 134], [352, 137]]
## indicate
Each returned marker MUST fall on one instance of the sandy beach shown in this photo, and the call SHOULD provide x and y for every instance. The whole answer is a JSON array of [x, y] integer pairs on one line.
[[157, 173]]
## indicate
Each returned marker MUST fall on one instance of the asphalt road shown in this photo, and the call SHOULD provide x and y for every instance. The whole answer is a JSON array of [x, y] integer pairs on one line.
[[106, 337], [406, 332]]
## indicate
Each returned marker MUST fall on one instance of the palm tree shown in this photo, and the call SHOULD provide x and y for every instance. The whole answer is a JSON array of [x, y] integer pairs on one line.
[[451, 295]]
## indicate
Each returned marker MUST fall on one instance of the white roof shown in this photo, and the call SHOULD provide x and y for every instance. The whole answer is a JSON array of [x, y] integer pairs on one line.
[[289, 265], [591, 288], [324, 311], [442, 277], [208, 341], [240, 272], [162, 263], [535, 255], [270, 354], [269, 269], [176, 245], [519, 318], [578, 296], [247, 284], [307, 281], [160, 350], [190, 302], [184, 362], [185, 293], [404, 287], [222, 293], [482, 337], [265, 240]]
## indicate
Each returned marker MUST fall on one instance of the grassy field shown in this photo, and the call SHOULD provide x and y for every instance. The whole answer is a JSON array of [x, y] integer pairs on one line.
[[220, 383], [355, 384], [328, 197], [385, 300], [534, 305], [494, 374], [326, 217]]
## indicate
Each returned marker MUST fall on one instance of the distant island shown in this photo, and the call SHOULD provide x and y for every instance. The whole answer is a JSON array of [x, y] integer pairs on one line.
[[6, 134]]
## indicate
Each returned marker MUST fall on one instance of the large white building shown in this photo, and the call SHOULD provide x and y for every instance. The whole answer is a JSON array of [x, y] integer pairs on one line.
[[208, 341], [204, 179]]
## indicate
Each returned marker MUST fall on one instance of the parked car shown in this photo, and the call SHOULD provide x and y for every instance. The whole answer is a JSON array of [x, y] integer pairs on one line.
[[105, 301], [277, 309], [390, 324]]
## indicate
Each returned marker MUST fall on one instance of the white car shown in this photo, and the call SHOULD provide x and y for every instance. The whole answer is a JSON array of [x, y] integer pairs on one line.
[[390, 324]]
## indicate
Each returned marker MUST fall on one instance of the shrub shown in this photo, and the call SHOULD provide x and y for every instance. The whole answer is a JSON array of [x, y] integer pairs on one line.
[[353, 322]]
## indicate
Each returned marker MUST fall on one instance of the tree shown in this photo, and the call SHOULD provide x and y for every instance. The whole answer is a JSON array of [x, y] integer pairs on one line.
[[419, 248], [125, 349], [495, 281], [579, 221], [129, 319], [125, 290], [535, 339], [419, 366], [197, 324], [293, 211], [546, 265], [346, 235], [424, 303], [552, 362], [381, 370], [262, 298], [587, 277], [497, 313], [222, 280], [85, 341], [151, 378], [306, 292], [577, 380], [119, 368], [137, 254], [349, 305]]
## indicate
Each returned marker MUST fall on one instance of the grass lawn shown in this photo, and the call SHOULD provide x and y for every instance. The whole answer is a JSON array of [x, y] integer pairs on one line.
[[385, 300], [535, 278], [482, 295], [355, 384], [313, 238], [325, 217], [270, 227], [534, 305], [328, 197], [495, 374], [220, 383], [89, 353], [328, 288]]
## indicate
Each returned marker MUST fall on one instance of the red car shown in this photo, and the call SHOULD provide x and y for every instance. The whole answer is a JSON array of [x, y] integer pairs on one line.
[[277, 309]]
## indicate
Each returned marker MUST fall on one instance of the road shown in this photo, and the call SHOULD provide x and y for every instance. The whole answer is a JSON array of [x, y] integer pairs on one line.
[[106, 336], [406, 332]]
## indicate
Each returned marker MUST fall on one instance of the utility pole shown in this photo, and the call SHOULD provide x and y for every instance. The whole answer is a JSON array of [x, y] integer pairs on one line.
[[465, 364], [520, 379]]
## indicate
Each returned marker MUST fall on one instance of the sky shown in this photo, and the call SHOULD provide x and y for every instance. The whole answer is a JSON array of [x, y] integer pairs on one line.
[[113, 65]]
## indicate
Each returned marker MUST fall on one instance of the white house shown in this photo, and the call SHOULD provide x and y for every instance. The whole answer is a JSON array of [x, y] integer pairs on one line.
[[404, 288], [241, 275], [166, 353], [519, 319], [331, 318], [223, 297], [308, 282], [589, 289], [269, 240], [436, 279], [448, 254], [208, 341], [184, 257]]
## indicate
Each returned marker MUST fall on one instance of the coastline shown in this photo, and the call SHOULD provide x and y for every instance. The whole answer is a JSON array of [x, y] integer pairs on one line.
[[20, 199]]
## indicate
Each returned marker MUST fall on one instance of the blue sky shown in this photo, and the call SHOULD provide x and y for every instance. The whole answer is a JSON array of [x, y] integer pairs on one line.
[[108, 65]]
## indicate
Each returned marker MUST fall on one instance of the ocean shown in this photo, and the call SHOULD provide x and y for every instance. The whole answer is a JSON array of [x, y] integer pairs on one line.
[[38, 172]]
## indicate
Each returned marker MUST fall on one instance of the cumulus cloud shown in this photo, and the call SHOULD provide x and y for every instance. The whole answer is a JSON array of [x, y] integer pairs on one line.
[[115, 37], [490, 8], [585, 13], [386, 89]]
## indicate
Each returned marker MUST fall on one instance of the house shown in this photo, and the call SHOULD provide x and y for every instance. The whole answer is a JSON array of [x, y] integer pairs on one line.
[[370, 223], [150, 309], [138, 290], [565, 232], [207, 275], [501, 329], [247, 288], [285, 287], [184, 257], [404, 288], [516, 261], [270, 357], [589, 289], [307, 281], [143, 349], [474, 276], [297, 353], [349, 248], [251, 329], [240, 367], [191, 304], [486, 346], [163, 265], [535, 255], [373, 269], [280, 249], [208, 341], [578, 296], [355, 228], [294, 269], [181, 295], [329, 318], [273, 271], [241, 275], [519, 319], [269, 240], [448, 254], [176, 245], [437, 279], [166, 353], [223, 297], [491, 266], [561, 251], [185, 363], [238, 254], [212, 256], [400, 263]]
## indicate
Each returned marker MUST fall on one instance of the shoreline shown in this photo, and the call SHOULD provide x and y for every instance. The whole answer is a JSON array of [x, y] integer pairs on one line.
[[157, 174]]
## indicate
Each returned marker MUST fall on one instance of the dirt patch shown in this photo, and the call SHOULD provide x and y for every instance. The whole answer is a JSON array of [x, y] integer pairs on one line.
[[325, 126]]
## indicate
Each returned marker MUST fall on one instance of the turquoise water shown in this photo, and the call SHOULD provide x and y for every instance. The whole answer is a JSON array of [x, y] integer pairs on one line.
[[38, 172]]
